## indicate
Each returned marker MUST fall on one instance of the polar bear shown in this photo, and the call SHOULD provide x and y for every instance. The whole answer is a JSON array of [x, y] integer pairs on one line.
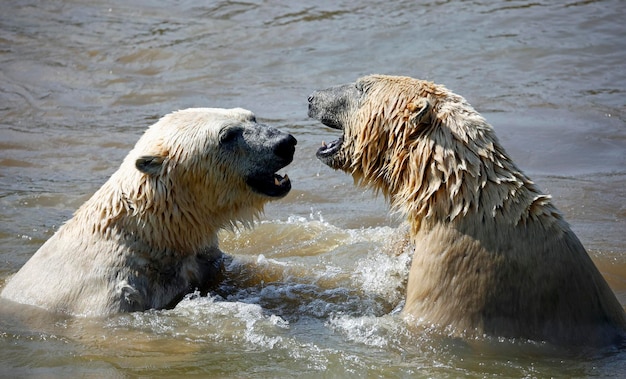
[[492, 253], [148, 236]]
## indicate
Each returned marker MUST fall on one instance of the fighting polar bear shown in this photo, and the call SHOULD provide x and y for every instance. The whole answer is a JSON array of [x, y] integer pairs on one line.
[[492, 253], [148, 236]]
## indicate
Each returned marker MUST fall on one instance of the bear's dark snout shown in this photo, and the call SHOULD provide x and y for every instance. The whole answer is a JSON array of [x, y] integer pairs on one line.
[[286, 147]]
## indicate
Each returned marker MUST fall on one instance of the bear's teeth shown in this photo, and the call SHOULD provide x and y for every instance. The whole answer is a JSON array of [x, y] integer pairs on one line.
[[324, 144], [281, 181]]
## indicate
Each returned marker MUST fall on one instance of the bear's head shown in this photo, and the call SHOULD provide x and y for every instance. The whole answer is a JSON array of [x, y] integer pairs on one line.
[[418, 143], [201, 169], [218, 147], [380, 116], [373, 113]]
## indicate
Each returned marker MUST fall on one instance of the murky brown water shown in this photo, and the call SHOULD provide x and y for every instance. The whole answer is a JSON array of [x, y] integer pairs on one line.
[[81, 80]]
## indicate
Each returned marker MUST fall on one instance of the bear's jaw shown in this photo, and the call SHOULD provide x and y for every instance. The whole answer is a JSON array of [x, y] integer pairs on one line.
[[332, 107], [278, 149], [274, 185], [327, 152]]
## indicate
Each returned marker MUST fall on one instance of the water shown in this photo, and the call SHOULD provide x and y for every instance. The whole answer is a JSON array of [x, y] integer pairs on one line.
[[313, 292]]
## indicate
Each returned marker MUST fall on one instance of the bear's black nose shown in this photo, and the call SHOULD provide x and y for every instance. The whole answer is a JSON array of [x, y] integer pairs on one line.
[[286, 147]]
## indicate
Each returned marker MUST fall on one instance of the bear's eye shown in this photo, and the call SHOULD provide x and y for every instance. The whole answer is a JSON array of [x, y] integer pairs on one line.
[[229, 135]]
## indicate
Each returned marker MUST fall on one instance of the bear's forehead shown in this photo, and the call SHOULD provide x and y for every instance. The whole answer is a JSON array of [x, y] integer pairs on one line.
[[200, 120], [195, 123], [400, 87], [237, 114]]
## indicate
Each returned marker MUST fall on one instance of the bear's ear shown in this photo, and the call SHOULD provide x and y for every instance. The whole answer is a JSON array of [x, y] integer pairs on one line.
[[150, 164], [420, 111]]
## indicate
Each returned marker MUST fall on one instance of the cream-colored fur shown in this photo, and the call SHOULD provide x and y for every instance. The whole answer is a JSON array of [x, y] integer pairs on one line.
[[148, 236], [493, 255]]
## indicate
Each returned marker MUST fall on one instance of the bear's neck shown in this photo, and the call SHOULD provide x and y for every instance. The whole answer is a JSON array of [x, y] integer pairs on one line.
[[139, 214], [450, 179]]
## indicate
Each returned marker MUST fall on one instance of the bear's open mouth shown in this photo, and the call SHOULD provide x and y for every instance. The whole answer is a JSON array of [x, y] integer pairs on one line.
[[273, 185], [326, 153], [330, 149]]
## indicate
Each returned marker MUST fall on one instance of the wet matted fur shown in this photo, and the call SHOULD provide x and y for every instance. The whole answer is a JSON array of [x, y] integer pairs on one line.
[[492, 255], [148, 236]]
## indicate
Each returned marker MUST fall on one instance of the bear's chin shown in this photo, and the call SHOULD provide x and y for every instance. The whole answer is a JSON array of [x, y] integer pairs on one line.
[[274, 186], [327, 153]]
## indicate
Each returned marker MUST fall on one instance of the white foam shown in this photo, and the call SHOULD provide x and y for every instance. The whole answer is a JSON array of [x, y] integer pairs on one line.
[[383, 275], [342, 278], [369, 330]]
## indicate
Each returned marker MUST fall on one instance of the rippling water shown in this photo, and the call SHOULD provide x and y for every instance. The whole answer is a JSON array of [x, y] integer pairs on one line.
[[81, 80]]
